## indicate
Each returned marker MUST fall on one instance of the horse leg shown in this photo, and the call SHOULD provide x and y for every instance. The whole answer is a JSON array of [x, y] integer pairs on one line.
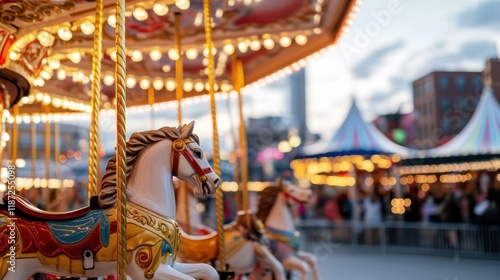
[[310, 259], [293, 263], [198, 271], [269, 261]]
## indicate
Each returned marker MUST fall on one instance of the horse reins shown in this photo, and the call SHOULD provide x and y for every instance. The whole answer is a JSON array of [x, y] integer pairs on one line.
[[289, 196], [178, 149]]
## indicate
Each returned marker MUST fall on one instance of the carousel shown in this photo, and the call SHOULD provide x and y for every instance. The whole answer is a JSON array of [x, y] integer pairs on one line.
[[67, 58]]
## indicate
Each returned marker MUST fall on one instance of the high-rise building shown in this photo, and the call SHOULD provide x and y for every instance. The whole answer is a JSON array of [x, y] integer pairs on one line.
[[445, 101]]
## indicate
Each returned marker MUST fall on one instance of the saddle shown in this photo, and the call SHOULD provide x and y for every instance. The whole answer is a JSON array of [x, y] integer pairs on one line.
[[24, 208]]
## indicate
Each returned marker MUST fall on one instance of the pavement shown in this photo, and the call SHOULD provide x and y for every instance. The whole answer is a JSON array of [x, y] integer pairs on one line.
[[347, 264]]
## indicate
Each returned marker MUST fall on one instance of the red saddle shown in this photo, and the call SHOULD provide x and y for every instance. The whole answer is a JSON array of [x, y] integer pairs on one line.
[[25, 208]]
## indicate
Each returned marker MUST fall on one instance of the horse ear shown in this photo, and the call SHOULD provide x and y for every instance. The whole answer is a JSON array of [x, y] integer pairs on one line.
[[187, 130], [279, 182]]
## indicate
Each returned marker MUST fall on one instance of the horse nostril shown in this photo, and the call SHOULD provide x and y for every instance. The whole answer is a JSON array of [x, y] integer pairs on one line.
[[217, 182]]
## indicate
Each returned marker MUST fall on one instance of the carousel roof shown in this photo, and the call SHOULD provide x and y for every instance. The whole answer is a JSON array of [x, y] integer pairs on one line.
[[481, 135], [355, 137], [52, 43]]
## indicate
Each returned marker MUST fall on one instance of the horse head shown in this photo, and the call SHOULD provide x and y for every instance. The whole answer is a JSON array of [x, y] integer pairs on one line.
[[190, 164]]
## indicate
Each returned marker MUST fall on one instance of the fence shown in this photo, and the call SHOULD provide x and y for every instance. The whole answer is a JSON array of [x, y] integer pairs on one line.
[[426, 238]]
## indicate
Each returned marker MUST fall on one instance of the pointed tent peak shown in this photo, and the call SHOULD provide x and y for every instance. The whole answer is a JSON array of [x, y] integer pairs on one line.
[[481, 135]]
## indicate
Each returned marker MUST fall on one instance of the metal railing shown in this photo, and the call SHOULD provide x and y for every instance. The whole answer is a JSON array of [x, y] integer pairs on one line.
[[425, 238]]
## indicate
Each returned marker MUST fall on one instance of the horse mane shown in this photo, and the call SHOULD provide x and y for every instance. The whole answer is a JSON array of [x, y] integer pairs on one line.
[[267, 198], [138, 142]]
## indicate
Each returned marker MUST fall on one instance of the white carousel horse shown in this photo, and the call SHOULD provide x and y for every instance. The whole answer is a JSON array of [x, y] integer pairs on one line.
[[83, 243], [275, 203], [246, 246]]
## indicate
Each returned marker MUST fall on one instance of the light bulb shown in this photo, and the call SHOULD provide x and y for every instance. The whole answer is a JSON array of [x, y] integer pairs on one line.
[[268, 43], [160, 8], [301, 39], [155, 55], [228, 48], [131, 82], [108, 80], [199, 86], [170, 85], [145, 84], [112, 21], [173, 54], [165, 68], [54, 64], [182, 4], [188, 85], [192, 53], [61, 74], [243, 46], [255, 45], [285, 41], [14, 55], [65, 33], [158, 84], [45, 38], [87, 27], [140, 14], [136, 56], [75, 57]]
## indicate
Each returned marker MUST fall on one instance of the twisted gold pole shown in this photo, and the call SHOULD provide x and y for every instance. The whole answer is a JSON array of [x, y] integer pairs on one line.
[[15, 135], [219, 202], [179, 93], [121, 103], [33, 150], [95, 102], [237, 66], [57, 149], [47, 156]]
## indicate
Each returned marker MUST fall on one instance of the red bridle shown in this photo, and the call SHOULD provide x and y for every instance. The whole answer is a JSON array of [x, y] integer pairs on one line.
[[178, 149], [289, 196]]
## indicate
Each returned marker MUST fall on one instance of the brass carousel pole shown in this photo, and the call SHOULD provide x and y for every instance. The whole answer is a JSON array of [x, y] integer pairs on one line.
[[219, 195], [179, 92], [121, 103], [151, 101], [95, 103], [15, 134], [237, 68], [57, 149], [47, 156], [33, 150]]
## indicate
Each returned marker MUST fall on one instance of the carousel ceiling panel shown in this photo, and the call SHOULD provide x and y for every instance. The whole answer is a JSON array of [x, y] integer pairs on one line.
[[266, 35]]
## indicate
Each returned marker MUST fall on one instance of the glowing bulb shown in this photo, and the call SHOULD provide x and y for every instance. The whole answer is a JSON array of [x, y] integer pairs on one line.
[[165, 68], [158, 84], [54, 64], [65, 33], [136, 56], [228, 48], [243, 46], [112, 21], [131, 82], [301, 39], [160, 8], [113, 55], [155, 55], [108, 80], [255, 45], [75, 57], [188, 85], [205, 51], [170, 85], [192, 53], [144, 84], [47, 73], [39, 82], [61, 74], [14, 55], [268, 43], [199, 86], [285, 41], [45, 38], [87, 27], [140, 14], [182, 4], [173, 54]]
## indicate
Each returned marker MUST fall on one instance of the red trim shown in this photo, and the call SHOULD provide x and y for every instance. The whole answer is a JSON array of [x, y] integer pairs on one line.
[[289, 196], [25, 208], [189, 158], [175, 162]]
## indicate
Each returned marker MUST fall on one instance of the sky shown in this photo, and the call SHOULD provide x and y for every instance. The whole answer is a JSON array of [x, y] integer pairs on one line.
[[390, 44]]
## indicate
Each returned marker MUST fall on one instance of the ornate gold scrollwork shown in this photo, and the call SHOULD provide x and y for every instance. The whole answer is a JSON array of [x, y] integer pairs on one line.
[[32, 11]]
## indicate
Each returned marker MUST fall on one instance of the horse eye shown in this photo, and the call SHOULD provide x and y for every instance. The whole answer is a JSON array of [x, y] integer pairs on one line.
[[197, 154]]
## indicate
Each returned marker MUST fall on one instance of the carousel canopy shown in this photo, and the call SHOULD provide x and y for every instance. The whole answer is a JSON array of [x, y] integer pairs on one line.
[[50, 44], [355, 137]]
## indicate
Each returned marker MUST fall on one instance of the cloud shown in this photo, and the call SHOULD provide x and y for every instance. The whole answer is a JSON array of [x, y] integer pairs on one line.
[[483, 15], [371, 63], [469, 51]]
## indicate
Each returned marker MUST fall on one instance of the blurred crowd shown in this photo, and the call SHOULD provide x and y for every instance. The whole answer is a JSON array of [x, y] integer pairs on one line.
[[475, 201]]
